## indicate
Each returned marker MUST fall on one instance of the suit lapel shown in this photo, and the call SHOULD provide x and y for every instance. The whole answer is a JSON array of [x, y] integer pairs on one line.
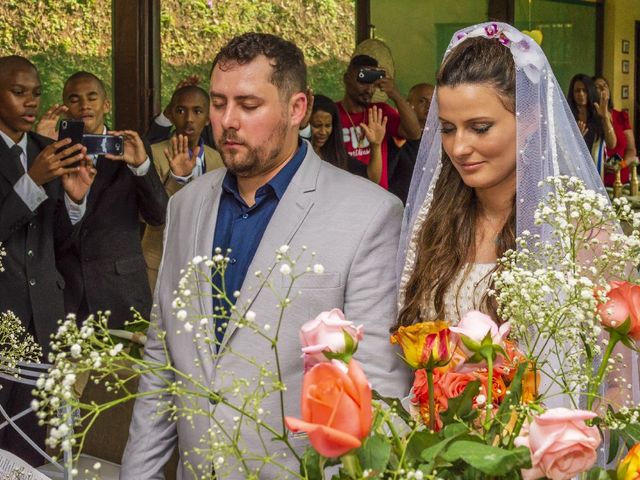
[[106, 170], [289, 216], [205, 225]]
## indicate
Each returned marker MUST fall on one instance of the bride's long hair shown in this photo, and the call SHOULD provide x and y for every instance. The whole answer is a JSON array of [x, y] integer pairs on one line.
[[447, 237]]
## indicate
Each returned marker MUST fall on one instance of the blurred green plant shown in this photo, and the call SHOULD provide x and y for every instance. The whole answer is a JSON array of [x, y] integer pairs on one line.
[[64, 36]]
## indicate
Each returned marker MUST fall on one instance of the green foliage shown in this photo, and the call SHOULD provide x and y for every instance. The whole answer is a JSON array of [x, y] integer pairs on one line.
[[63, 36]]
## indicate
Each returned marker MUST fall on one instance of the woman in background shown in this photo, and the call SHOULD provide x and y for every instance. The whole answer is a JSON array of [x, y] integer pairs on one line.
[[326, 138], [625, 146], [596, 130]]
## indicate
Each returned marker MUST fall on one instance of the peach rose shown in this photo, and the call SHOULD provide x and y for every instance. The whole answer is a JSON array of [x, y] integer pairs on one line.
[[561, 444], [325, 333], [623, 302], [452, 384], [336, 408], [629, 468]]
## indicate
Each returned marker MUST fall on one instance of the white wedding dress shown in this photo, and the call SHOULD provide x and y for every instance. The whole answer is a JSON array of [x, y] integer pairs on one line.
[[465, 293]]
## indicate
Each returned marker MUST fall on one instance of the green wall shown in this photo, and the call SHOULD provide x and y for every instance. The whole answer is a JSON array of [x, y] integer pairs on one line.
[[568, 29], [418, 32]]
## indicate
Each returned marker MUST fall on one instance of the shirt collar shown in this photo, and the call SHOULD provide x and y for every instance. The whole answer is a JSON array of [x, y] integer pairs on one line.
[[22, 143], [278, 184]]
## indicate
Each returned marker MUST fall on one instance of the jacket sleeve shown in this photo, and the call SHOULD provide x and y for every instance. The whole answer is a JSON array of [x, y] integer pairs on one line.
[[151, 195], [370, 299], [152, 433]]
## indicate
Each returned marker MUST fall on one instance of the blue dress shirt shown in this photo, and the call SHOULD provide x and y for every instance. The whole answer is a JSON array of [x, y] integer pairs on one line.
[[239, 228]]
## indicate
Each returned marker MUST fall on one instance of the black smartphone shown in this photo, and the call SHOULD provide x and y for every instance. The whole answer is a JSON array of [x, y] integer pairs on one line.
[[72, 129], [101, 144], [370, 75]]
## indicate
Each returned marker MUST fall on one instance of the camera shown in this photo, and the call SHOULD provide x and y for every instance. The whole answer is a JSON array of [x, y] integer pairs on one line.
[[101, 144], [369, 75]]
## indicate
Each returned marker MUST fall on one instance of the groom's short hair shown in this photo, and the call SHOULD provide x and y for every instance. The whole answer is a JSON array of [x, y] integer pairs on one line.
[[289, 70]]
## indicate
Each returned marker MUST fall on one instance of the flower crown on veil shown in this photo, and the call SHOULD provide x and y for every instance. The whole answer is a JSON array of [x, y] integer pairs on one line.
[[527, 54]]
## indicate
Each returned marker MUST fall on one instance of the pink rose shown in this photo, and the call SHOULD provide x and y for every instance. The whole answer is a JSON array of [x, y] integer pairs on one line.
[[623, 301], [325, 333], [475, 326], [561, 444]]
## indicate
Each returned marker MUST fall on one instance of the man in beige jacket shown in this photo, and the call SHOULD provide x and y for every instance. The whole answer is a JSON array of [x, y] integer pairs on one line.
[[180, 159]]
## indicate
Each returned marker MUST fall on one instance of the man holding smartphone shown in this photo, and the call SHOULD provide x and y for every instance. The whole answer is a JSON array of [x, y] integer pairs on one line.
[[361, 80], [103, 266]]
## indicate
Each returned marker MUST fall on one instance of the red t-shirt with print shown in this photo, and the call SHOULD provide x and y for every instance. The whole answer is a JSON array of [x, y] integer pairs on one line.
[[356, 143]]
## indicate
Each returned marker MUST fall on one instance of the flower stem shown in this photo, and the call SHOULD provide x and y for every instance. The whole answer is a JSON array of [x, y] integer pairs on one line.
[[487, 420], [432, 401], [613, 340]]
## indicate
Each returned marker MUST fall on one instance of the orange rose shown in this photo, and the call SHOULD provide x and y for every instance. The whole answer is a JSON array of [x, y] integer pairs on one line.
[[629, 468], [453, 384], [623, 302], [336, 408]]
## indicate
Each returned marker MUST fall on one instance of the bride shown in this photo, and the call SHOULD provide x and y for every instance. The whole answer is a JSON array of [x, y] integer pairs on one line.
[[493, 133], [498, 125]]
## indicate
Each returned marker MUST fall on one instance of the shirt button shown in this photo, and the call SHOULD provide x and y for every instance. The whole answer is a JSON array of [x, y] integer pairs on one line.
[[30, 253], [32, 282], [245, 215], [32, 225], [232, 261]]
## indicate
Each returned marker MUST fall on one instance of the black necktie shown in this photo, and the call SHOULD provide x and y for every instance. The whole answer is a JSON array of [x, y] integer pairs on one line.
[[15, 153]]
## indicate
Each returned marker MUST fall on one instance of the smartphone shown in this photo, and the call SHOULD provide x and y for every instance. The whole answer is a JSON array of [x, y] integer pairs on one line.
[[72, 129], [101, 144], [370, 75]]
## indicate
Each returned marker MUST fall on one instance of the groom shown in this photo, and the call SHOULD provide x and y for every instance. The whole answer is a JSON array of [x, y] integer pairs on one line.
[[274, 191]]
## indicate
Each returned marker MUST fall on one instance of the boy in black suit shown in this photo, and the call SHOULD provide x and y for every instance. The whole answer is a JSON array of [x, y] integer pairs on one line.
[[103, 266], [36, 184]]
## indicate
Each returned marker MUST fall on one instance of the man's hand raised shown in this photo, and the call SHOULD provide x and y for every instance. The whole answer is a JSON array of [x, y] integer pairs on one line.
[[180, 162], [49, 120]]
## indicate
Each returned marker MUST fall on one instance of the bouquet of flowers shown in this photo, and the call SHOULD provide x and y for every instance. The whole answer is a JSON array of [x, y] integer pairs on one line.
[[484, 396]]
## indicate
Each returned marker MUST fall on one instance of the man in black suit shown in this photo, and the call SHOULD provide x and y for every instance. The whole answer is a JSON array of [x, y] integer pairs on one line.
[[102, 265], [37, 185]]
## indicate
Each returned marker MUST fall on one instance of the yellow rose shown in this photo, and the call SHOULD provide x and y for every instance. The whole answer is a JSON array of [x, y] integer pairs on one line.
[[425, 344], [629, 468]]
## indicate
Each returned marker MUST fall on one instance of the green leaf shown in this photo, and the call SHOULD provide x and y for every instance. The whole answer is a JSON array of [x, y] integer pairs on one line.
[[312, 465], [374, 453], [471, 344], [454, 430], [503, 415], [419, 442], [488, 459], [614, 444], [433, 451], [395, 404], [461, 406], [598, 473]]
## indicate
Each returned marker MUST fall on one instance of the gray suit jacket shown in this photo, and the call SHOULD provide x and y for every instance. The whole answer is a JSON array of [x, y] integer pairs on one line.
[[353, 226]]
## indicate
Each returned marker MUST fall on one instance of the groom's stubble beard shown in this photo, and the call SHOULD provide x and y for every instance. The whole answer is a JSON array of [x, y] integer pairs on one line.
[[254, 160]]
